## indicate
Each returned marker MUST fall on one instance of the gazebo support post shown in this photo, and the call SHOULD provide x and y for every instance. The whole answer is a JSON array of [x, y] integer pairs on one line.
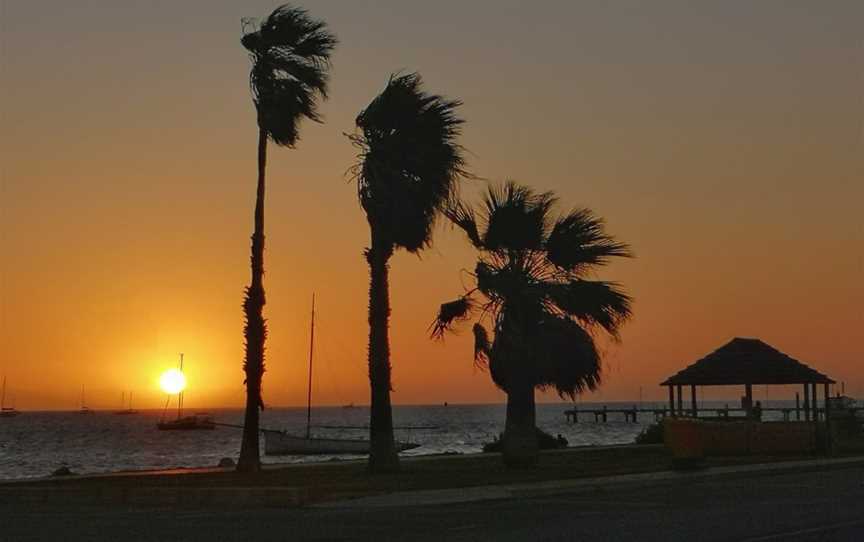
[[797, 406], [680, 400], [671, 400], [807, 402], [827, 419], [695, 409], [748, 394], [814, 402]]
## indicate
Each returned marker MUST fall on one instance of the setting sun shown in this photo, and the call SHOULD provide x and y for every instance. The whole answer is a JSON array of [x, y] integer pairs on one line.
[[172, 381]]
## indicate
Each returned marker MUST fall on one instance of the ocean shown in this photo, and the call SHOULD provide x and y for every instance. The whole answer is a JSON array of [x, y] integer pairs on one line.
[[37, 443]]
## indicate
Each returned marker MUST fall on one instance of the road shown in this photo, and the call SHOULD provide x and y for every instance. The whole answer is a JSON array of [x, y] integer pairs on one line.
[[797, 507]]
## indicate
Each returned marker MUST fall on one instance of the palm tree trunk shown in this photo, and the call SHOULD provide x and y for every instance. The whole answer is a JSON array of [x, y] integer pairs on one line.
[[255, 330], [382, 456], [520, 430]]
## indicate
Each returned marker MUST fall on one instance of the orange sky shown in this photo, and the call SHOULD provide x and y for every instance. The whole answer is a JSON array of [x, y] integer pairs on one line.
[[724, 142]]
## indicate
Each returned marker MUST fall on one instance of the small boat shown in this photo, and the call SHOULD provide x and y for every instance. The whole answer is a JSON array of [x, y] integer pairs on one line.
[[124, 411], [842, 402], [84, 408], [200, 421], [6, 412], [843, 407], [284, 443]]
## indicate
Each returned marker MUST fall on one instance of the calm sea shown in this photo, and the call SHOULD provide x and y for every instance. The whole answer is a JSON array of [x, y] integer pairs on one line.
[[37, 443]]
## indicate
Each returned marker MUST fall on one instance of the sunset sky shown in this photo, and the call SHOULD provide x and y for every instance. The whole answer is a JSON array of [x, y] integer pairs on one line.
[[722, 140]]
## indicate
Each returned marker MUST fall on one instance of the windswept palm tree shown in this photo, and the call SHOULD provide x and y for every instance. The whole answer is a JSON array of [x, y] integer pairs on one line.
[[532, 292], [408, 169], [290, 55]]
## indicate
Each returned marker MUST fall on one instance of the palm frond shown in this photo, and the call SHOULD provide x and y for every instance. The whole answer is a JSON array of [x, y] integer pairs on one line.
[[489, 280], [482, 345], [566, 357], [511, 358], [290, 27], [464, 217], [516, 217], [316, 44], [579, 240], [313, 77], [410, 161], [594, 303], [450, 313], [281, 105], [290, 55]]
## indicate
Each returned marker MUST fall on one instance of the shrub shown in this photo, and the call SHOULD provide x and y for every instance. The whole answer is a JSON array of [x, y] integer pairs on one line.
[[653, 434], [544, 440]]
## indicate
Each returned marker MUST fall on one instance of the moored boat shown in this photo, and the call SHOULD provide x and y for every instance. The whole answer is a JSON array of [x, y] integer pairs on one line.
[[199, 421], [84, 408], [124, 410], [842, 402], [283, 443], [6, 412]]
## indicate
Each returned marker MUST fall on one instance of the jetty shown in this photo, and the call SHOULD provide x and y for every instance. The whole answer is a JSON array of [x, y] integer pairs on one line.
[[602, 414]]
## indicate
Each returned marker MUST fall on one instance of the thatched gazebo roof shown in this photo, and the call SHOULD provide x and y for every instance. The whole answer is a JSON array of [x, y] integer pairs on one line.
[[746, 361]]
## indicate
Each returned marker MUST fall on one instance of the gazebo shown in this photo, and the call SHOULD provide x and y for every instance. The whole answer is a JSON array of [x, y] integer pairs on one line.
[[747, 362]]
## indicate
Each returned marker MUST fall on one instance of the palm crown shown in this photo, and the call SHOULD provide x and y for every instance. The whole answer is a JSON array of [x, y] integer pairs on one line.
[[531, 287], [290, 59], [409, 162]]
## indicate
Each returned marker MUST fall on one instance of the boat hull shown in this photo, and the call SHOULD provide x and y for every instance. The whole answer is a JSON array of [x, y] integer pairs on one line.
[[8, 413], [281, 443], [187, 424]]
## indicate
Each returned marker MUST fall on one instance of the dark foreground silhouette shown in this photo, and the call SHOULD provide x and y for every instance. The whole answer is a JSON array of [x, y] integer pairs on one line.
[[531, 289], [290, 55], [827, 505], [408, 169]]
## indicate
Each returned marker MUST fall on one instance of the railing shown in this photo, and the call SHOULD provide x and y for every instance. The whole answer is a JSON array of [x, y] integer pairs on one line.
[[632, 414]]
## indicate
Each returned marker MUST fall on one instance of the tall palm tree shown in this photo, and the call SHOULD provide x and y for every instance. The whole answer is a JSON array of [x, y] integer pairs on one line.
[[408, 168], [531, 290], [290, 55]]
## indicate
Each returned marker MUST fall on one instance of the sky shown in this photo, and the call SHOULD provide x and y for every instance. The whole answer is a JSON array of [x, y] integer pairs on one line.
[[722, 140]]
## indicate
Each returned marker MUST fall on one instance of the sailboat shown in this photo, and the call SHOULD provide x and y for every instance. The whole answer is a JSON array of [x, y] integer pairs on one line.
[[84, 408], [284, 443], [124, 411], [6, 412], [188, 423]]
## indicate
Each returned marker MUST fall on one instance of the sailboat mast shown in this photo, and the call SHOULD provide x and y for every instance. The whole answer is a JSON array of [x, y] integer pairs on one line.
[[180, 395], [309, 388], [3, 395]]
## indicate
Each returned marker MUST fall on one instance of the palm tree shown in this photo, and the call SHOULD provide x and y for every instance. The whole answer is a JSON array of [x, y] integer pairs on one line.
[[531, 289], [290, 55], [408, 168]]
